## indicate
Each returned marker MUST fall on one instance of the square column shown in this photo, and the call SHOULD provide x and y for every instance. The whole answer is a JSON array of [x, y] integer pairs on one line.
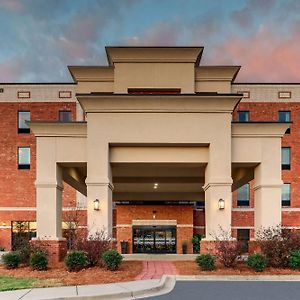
[[216, 219], [99, 220], [267, 186]]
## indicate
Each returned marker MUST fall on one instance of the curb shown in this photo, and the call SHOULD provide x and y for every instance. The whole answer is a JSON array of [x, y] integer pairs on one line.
[[126, 290], [165, 285], [237, 277]]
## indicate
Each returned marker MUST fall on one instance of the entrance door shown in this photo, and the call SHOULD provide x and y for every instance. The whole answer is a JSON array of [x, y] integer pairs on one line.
[[154, 239]]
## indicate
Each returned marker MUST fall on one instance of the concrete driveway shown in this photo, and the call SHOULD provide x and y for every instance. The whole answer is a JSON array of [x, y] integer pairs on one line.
[[233, 290]]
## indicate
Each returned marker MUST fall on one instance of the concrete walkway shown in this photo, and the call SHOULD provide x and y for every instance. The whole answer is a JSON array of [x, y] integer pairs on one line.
[[122, 290], [156, 269]]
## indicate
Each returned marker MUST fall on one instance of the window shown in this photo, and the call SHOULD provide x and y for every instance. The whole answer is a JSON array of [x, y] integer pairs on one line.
[[285, 117], [22, 231], [243, 116], [286, 158], [286, 194], [65, 116], [243, 195], [23, 116], [24, 158], [200, 204], [243, 237]]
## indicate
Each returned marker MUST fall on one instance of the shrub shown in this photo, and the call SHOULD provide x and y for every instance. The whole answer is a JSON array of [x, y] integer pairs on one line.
[[94, 246], [39, 261], [257, 262], [228, 252], [206, 262], [76, 261], [11, 260], [277, 243], [294, 259], [112, 259], [196, 242]]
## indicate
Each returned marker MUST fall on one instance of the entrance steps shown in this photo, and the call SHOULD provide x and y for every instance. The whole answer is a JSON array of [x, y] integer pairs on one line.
[[160, 257]]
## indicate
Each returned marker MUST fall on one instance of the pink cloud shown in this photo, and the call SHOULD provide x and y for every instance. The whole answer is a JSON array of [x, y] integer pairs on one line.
[[264, 56], [10, 70], [162, 34], [12, 5]]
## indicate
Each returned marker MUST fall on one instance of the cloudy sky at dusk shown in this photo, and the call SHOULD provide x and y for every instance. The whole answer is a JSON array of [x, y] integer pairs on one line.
[[39, 38]]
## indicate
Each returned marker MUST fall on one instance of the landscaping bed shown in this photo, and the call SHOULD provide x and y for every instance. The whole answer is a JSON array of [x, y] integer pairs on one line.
[[59, 276], [191, 268]]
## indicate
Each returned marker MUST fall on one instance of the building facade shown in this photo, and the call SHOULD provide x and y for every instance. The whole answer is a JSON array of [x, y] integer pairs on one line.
[[152, 148]]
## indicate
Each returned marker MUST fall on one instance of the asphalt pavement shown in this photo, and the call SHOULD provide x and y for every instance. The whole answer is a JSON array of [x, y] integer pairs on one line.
[[233, 290]]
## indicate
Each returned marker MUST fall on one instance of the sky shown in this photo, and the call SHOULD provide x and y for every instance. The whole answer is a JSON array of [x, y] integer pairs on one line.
[[40, 38]]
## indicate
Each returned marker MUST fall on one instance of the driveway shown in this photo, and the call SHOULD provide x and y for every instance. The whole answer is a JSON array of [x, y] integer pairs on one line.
[[233, 290]]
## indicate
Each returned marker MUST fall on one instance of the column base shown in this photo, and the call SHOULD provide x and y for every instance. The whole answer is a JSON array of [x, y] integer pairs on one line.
[[55, 249], [209, 247]]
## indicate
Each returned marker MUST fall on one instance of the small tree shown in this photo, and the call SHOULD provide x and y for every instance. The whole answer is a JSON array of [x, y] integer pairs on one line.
[[228, 249], [94, 246], [277, 244]]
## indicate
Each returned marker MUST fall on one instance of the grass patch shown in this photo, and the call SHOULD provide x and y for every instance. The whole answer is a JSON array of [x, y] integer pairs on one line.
[[10, 283]]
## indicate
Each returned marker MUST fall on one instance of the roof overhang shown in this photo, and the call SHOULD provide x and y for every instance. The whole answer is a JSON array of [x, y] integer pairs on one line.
[[206, 102], [153, 54]]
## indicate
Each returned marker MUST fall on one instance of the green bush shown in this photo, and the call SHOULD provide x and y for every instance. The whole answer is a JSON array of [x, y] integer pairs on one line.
[[196, 242], [112, 259], [257, 262], [206, 262], [76, 261], [294, 259], [11, 260], [39, 261]]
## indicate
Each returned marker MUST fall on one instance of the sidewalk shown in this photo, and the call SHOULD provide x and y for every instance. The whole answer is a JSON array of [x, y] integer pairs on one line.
[[124, 290], [156, 269], [128, 290]]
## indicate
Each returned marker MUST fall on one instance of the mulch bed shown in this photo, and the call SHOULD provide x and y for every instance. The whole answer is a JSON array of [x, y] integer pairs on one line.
[[60, 276], [191, 268]]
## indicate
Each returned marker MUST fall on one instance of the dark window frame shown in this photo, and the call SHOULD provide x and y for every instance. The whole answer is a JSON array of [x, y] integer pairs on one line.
[[288, 131], [244, 242], [243, 111], [65, 111], [243, 202], [23, 130], [24, 166], [287, 166], [287, 203]]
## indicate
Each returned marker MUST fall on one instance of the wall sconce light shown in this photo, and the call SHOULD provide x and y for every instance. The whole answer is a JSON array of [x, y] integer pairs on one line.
[[221, 203], [154, 214], [96, 204]]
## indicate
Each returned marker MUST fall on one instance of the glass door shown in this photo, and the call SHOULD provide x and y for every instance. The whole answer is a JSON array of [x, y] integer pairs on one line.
[[154, 239]]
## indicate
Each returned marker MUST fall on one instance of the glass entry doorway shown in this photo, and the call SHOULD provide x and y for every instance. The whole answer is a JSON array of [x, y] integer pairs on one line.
[[154, 239]]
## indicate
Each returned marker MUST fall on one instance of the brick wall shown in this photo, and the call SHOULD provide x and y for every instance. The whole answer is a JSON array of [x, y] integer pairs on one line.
[[264, 112], [182, 213], [17, 186]]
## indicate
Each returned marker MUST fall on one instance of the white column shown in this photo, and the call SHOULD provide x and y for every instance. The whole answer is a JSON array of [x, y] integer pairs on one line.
[[48, 191], [267, 186], [217, 186], [99, 179]]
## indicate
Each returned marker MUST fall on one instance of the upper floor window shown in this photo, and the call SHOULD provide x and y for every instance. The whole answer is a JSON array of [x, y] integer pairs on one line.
[[65, 116], [243, 195], [24, 158], [285, 117], [243, 116], [286, 158], [23, 116], [286, 194]]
